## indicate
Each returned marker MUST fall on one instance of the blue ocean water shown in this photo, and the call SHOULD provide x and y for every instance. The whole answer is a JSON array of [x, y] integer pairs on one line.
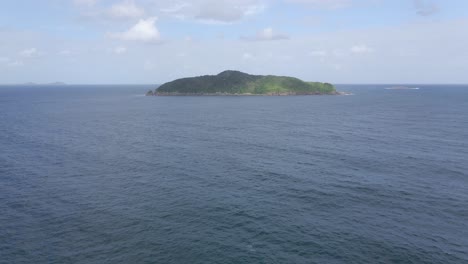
[[102, 174]]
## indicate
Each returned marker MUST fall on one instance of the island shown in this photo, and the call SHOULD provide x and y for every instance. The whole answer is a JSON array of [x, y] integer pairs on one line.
[[239, 83]]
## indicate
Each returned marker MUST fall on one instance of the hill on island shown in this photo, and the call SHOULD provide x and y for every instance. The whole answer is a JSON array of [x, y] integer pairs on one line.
[[239, 83]]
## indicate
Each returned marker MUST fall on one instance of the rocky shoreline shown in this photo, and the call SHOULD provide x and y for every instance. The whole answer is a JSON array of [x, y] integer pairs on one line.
[[151, 93]]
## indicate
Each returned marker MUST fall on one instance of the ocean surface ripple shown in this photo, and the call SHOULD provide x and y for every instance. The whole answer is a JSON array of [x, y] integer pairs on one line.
[[98, 174]]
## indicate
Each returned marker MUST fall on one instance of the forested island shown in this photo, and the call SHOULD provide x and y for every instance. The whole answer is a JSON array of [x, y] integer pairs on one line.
[[239, 83]]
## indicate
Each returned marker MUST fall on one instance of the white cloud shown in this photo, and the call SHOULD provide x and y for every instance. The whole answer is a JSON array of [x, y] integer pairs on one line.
[[266, 34], [126, 9], [88, 3], [403, 52], [120, 50], [28, 53], [228, 11], [359, 49], [145, 30], [254, 9], [215, 11], [332, 4], [175, 8]]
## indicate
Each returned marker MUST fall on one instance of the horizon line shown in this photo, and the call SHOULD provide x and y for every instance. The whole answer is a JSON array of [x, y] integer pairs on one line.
[[141, 84]]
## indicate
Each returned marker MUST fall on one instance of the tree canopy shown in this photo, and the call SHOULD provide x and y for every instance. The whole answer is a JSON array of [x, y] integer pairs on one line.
[[236, 82]]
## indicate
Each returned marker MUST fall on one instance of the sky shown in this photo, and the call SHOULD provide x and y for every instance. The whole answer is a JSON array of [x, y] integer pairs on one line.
[[155, 41]]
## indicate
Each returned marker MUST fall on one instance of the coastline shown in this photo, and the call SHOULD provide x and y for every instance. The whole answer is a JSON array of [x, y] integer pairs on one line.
[[243, 94]]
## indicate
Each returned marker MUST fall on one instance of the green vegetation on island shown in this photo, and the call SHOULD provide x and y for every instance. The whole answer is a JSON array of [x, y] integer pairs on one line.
[[239, 83]]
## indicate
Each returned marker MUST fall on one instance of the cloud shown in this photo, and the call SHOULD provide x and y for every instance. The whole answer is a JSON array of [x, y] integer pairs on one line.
[[227, 11], [360, 49], [29, 53], [120, 50], [330, 4], [215, 11], [126, 9], [266, 34], [175, 8], [88, 3], [181, 11], [425, 7], [145, 31], [405, 52]]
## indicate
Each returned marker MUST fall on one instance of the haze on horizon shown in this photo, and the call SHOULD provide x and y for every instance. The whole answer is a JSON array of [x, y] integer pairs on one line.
[[154, 41]]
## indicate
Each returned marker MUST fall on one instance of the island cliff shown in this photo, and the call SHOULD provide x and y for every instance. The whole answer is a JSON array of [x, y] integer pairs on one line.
[[239, 83]]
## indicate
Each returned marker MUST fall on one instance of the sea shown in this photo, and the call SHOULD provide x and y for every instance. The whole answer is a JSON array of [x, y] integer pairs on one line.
[[103, 174]]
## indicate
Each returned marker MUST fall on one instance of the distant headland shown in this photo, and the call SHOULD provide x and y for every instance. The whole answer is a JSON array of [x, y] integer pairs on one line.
[[239, 83]]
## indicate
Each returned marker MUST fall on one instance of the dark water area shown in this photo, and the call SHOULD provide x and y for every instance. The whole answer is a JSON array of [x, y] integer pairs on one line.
[[102, 174]]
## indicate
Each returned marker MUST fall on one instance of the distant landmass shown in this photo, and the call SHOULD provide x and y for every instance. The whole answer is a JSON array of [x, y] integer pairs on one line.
[[56, 83], [239, 83]]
